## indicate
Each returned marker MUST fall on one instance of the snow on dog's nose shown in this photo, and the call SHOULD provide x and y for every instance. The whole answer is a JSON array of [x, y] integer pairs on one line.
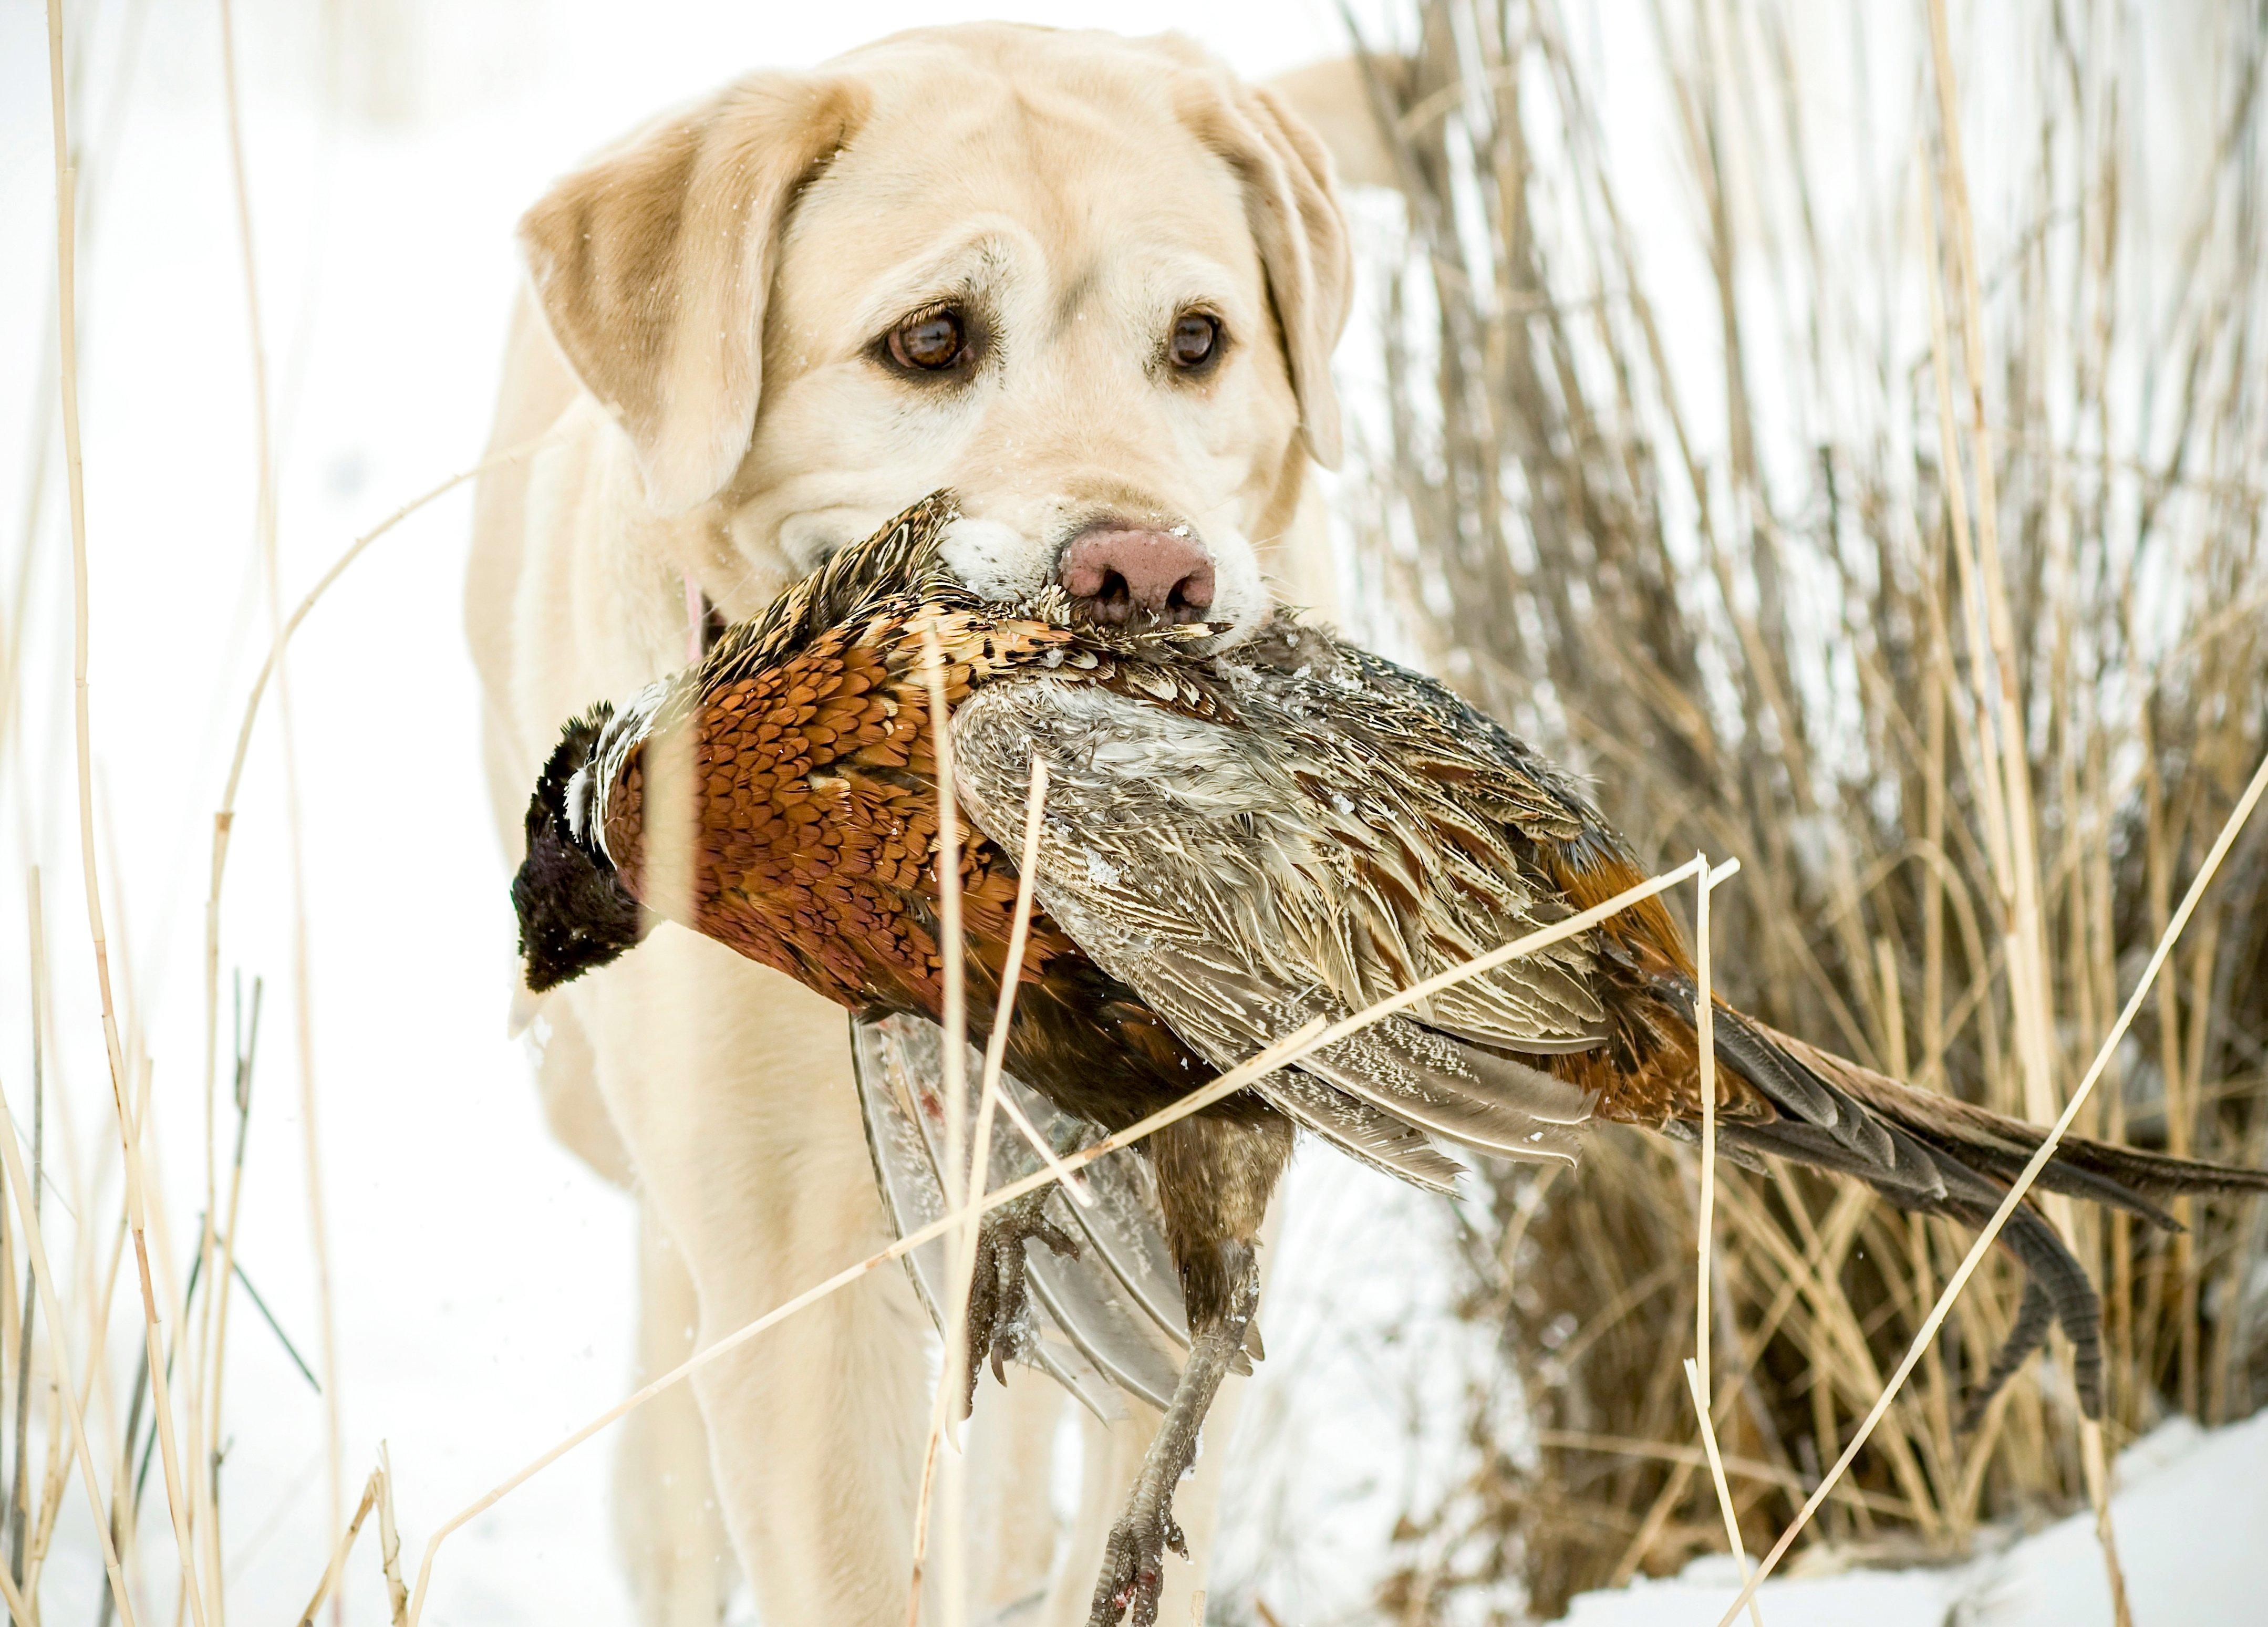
[[1115, 571]]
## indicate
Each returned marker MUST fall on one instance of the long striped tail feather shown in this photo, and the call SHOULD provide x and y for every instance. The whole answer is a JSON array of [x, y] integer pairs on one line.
[[1936, 1154]]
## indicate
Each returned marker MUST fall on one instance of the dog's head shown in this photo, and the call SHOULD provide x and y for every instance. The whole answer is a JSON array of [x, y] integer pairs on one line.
[[1091, 283]]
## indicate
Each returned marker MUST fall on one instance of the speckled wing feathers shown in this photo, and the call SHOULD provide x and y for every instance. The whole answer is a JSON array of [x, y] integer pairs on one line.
[[1231, 876]]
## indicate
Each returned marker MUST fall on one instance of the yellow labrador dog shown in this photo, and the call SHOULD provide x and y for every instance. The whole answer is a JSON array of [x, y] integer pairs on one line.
[[1092, 284]]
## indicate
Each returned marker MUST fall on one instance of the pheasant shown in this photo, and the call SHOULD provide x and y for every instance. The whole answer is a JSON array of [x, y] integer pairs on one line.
[[1234, 843]]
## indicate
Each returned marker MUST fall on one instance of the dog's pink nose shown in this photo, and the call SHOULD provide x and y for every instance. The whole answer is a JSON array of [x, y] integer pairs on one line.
[[1115, 572]]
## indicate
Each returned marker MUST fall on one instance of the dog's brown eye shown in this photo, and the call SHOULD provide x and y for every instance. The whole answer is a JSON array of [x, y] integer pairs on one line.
[[1196, 338], [930, 341]]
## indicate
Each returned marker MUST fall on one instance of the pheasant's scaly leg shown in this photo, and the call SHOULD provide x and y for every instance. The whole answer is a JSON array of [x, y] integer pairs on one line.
[[1134, 1560], [996, 1293]]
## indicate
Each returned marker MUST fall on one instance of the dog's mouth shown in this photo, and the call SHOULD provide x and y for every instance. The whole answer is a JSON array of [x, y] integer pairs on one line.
[[1138, 575]]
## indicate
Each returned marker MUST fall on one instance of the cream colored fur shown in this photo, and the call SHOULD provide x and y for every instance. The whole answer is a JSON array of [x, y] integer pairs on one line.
[[699, 343]]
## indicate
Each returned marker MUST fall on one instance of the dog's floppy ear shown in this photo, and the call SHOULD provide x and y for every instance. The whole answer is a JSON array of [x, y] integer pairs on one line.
[[1297, 229], [652, 266]]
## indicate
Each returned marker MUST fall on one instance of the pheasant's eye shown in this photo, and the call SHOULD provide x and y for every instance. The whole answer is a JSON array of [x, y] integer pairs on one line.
[[1195, 341], [930, 343]]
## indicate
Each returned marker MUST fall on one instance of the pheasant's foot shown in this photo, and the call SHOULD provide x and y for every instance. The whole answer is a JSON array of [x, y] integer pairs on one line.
[[998, 1327], [1134, 1560]]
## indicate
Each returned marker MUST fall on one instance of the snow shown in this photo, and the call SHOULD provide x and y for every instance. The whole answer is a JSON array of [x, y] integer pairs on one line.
[[1359, 1413], [2189, 1511]]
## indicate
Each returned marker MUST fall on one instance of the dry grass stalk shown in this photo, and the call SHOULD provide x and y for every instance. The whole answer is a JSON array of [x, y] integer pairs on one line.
[[10, 1595], [389, 1543], [996, 1045], [1699, 1389], [66, 185], [958, 1166], [218, 1245], [180, 1490], [947, 864], [18, 1363], [1696, 1368], [1282, 1053], [1695, 1457], [953, 1378], [1746, 573], [2023, 1183], [51, 1300], [325, 1589]]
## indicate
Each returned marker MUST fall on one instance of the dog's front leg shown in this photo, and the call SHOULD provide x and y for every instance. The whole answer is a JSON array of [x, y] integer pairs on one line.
[[667, 1519], [731, 1086]]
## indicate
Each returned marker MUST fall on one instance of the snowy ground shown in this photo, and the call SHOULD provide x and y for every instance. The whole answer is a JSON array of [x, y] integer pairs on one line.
[[2190, 1513], [484, 1275]]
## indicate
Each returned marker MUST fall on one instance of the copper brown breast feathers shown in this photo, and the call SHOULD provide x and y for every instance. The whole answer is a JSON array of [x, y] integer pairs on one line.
[[1234, 843]]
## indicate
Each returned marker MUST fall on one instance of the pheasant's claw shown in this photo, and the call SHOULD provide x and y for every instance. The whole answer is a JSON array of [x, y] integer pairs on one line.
[[1134, 1563], [997, 1298]]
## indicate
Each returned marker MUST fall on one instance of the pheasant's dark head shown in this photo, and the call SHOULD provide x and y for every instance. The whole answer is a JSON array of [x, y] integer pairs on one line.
[[575, 914]]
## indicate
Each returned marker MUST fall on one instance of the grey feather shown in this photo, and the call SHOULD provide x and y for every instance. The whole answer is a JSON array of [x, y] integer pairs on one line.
[[1108, 1319]]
